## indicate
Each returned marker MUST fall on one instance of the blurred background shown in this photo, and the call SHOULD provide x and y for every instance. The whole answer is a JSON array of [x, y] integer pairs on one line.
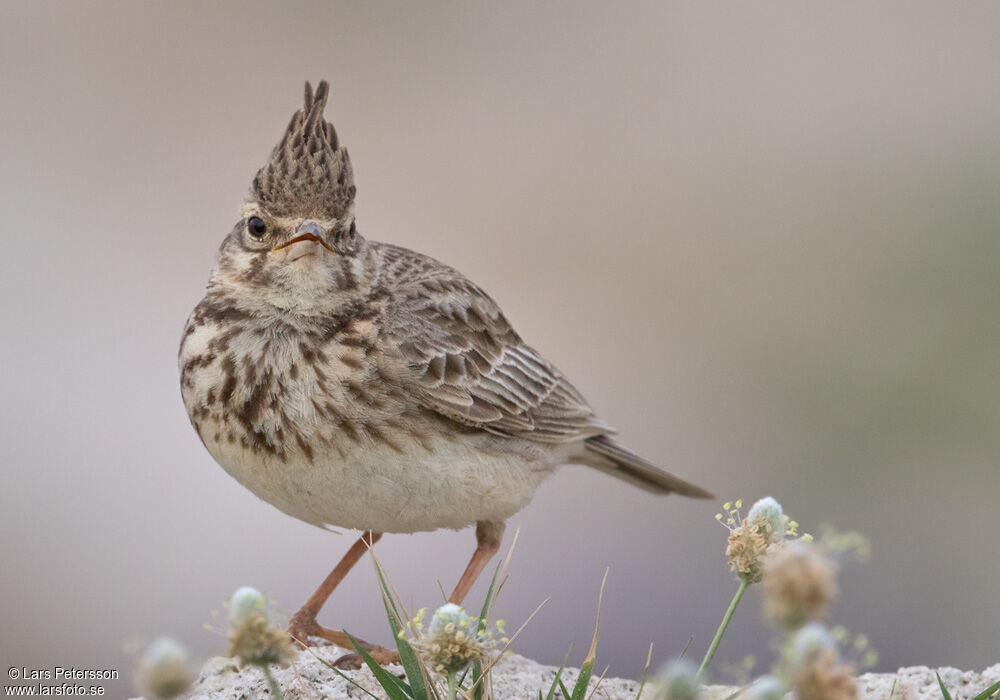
[[763, 239]]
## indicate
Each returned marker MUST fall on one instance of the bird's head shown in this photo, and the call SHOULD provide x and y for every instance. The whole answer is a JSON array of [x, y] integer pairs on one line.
[[296, 245]]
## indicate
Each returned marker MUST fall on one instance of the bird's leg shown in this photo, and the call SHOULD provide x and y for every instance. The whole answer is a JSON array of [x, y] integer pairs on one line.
[[303, 623], [488, 537]]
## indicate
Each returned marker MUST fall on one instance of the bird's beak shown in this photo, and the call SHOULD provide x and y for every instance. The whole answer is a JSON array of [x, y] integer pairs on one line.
[[309, 230]]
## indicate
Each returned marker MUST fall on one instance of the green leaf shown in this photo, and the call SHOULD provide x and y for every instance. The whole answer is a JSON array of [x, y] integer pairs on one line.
[[393, 687], [565, 692], [407, 657], [597, 685], [558, 678], [489, 598], [988, 692], [944, 691], [583, 680]]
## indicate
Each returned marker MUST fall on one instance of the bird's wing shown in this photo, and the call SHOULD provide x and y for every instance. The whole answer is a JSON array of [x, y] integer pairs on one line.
[[463, 360]]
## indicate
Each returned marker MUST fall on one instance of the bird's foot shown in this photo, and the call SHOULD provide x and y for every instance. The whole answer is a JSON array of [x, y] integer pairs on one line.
[[382, 656], [303, 625]]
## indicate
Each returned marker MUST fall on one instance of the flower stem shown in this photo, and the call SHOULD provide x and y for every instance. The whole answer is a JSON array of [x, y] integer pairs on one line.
[[271, 683], [452, 685], [744, 584]]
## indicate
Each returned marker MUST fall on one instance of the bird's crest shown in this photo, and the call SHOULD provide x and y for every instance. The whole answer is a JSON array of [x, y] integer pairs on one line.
[[309, 173]]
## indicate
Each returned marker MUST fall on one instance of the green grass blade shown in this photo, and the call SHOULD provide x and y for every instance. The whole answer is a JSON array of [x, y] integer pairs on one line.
[[597, 685], [558, 678], [988, 693], [484, 613], [686, 647], [393, 687], [645, 672], [497, 657], [583, 680], [407, 656], [565, 691], [580, 688], [477, 677], [476, 687], [944, 691], [477, 668]]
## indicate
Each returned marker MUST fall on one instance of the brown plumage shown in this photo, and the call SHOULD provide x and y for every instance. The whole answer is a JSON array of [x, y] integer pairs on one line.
[[358, 384], [309, 172]]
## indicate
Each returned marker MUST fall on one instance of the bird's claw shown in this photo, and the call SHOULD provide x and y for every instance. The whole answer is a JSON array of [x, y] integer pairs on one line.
[[381, 655], [302, 627]]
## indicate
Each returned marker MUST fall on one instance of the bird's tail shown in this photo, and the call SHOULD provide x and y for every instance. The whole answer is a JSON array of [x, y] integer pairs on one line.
[[622, 464]]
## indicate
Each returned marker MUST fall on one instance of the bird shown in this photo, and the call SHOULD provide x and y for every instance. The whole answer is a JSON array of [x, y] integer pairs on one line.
[[360, 385]]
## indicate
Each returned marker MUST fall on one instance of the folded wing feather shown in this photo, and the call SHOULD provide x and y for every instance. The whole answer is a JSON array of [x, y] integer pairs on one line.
[[467, 363]]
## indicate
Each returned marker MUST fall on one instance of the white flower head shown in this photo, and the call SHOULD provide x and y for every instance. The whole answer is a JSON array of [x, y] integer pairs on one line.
[[677, 680], [752, 538], [245, 603], [770, 511], [449, 614], [163, 668], [453, 640], [253, 637]]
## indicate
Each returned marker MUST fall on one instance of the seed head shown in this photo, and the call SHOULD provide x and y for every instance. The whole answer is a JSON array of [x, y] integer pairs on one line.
[[798, 585], [752, 538], [253, 638], [163, 669], [825, 678], [745, 549], [453, 640]]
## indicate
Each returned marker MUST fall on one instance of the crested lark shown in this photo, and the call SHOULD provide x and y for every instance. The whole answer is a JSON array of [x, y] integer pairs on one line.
[[361, 385]]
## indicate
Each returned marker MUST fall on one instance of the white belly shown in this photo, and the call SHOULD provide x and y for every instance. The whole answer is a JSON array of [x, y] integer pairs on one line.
[[452, 485]]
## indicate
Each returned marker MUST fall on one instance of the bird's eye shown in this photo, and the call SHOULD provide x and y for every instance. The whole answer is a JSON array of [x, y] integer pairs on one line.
[[256, 227]]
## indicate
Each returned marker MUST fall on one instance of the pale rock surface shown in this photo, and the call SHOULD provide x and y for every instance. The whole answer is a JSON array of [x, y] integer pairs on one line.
[[517, 677]]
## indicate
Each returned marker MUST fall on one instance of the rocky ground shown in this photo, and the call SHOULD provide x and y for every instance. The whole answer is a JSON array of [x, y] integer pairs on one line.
[[517, 677]]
